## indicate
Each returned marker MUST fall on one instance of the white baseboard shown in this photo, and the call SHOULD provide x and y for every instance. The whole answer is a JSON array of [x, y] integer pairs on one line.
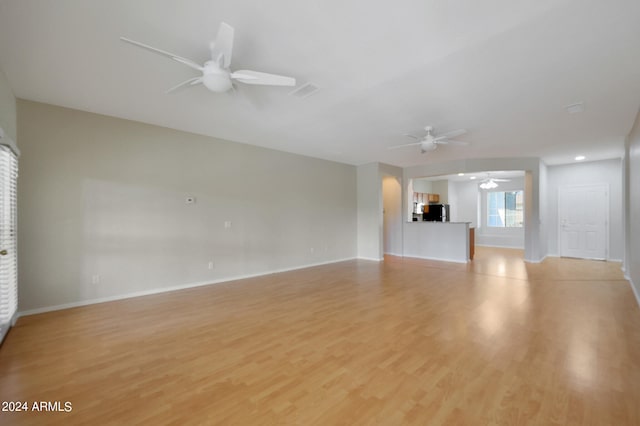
[[633, 288], [538, 260], [439, 259], [373, 259], [607, 260], [168, 289], [394, 254], [497, 246]]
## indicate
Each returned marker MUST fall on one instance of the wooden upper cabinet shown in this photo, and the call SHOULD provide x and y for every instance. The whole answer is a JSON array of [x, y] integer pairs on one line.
[[422, 198]]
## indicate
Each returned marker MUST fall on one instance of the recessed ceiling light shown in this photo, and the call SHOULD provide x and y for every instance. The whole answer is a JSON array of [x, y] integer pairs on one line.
[[460, 174], [580, 157], [575, 108], [472, 177]]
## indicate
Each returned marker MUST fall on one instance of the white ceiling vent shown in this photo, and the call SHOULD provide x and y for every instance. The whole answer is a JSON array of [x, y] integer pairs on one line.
[[575, 108], [305, 90]]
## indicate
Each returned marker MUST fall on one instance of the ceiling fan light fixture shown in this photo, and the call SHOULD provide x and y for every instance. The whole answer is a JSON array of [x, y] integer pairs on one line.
[[489, 184], [426, 147], [217, 82]]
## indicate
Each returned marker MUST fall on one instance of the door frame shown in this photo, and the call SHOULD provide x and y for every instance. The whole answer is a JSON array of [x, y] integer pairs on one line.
[[606, 216]]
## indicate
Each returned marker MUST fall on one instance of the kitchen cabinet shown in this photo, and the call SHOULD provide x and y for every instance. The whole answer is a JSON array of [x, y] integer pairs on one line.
[[424, 198]]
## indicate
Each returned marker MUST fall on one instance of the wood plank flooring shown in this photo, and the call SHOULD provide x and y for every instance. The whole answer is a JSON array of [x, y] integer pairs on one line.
[[405, 341]]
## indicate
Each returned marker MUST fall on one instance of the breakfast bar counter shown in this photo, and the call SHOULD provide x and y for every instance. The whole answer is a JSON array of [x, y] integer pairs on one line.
[[445, 241]]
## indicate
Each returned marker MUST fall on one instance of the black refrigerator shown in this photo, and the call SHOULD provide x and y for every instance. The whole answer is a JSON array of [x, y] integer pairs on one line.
[[436, 213]]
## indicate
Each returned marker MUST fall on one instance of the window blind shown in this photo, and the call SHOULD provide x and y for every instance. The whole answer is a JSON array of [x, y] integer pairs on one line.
[[8, 238]]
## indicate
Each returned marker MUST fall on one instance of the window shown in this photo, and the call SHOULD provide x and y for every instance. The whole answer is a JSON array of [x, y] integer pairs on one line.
[[8, 258], [504, 209]]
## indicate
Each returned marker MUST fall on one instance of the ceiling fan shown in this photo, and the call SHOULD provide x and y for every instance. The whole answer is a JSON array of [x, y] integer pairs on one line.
[[490, 183], [430, 142], [216, 75]]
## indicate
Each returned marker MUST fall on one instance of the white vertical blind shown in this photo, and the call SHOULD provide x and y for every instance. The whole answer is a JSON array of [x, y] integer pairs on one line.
[[8, 238]]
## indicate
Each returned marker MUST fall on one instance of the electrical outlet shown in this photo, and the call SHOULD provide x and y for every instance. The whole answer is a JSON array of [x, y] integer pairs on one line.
[[227, 224], [95, 279], [211, 264], [311, 250]]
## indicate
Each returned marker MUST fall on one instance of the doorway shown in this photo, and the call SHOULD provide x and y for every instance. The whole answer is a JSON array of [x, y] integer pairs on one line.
[[583, 217]]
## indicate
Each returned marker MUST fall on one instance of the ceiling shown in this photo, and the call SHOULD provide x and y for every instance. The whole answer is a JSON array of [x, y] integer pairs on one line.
[[502, 69], [465, 177]]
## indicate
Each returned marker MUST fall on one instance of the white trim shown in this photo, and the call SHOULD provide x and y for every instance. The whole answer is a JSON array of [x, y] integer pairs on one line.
[[497, 246], [6, 140], [394, 254], [633, 288], [537, 261], [439, 259], [615, 260], [373, 259], [168, 289], [5, 330]]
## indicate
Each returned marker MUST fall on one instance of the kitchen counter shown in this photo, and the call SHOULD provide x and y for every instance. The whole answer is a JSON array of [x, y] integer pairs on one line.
[[446, 241]]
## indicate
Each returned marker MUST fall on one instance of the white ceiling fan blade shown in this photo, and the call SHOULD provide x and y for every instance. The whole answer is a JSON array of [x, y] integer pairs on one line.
[[222, 46], [255, 77], [452, 142], [451, 134], [501, 180], [177, 58], [404, 145], [412, 136], [192, 82]]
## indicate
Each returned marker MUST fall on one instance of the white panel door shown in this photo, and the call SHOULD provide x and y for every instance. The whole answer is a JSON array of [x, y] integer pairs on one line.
[[583, 215]]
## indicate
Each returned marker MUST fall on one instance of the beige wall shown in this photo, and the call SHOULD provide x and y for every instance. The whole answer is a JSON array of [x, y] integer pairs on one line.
[[369, 237], [632, 259], [441, 187], [102, 209], [7, 108], [392, 215]]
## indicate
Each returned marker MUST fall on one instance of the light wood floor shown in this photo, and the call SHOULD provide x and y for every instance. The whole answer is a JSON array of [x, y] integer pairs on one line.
[[405, 341]]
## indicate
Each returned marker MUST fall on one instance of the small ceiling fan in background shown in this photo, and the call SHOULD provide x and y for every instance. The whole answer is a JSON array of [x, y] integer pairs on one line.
[[216, 74], [490, 183], [430, 142]]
